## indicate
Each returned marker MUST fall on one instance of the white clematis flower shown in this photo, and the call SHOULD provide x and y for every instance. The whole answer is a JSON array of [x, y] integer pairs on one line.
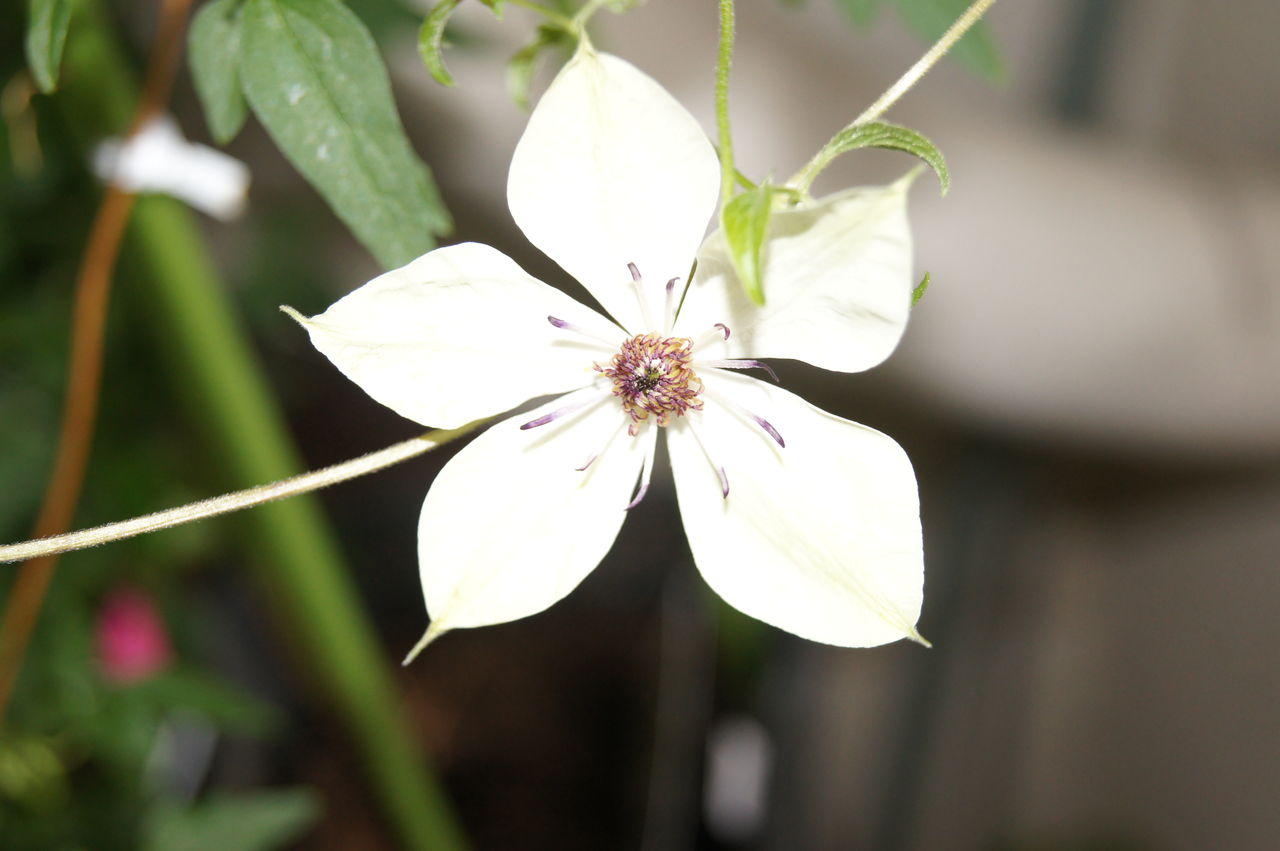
[[799, 518]]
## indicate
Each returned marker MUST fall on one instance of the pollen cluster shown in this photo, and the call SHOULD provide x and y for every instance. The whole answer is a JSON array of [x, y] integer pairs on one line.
[[652, 375]]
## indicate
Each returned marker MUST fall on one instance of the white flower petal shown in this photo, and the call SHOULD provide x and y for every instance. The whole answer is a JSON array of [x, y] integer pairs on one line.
[[820, 538], [511, 525], [837, 284], [458, 334], [612, 170]]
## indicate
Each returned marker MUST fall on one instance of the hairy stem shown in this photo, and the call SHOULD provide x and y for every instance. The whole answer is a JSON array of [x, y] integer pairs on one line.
[[236, 501], [805, 177], [723, 59]]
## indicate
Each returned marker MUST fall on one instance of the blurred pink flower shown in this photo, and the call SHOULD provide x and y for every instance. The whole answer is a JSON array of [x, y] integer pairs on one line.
[[130, 637]]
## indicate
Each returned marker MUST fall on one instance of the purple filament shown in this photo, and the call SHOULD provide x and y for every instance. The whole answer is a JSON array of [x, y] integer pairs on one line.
[[768, 427]]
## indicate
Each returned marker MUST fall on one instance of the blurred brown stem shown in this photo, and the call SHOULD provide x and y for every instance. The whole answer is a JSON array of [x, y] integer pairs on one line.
[[84, 370]]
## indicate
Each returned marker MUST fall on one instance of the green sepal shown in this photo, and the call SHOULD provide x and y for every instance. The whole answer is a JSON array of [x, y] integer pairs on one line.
[[213, 53], [920, 290], [521, 65], [431, 40], [745, 221], [46, 35], [882, 134]]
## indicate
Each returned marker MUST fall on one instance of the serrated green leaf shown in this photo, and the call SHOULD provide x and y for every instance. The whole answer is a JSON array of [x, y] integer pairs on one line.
[[882, 134], [431, 40], [214, 55], [521, 65], [253, 821], [931, 18], [920, 290], [46, 35], [315, 79], [863, 12], [745, 220]]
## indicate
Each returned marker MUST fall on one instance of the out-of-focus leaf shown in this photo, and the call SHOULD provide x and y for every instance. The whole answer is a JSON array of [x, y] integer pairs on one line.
[[882, 134], [214, 56], [521, 65], [863, 12], [920, 290], [431, 40], [258, 821], [496, 6], [315, 79], [931, 18], [46, 34], [745, 222], [218, 702]]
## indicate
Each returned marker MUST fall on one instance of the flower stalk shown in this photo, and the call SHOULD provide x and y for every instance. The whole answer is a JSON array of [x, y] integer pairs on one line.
[[724, 58], [804, 178], [227, 503]]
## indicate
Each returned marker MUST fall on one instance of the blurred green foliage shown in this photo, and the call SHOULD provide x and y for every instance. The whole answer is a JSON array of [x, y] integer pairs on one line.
[[929, 19]]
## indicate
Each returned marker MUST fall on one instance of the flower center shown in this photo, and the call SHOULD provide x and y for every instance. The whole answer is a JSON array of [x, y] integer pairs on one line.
[[652, 375]]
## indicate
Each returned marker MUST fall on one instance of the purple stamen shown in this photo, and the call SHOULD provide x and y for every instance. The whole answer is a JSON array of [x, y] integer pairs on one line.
[[644, 489], [646, 472], [724, 328], [724, 482], [589, 462], [546, 418], [635, 272], [768, 427], [738, 363], [565, 325]]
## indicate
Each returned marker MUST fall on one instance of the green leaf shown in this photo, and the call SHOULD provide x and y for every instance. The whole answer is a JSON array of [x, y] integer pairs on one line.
[[745, 223], [219, 702], [496, 6], [314, 78], [46, 34], [257, 821], [863, 12], [920, 290], [214, 53], [931, 18], [882, 134], [521, 65], [431, 40]]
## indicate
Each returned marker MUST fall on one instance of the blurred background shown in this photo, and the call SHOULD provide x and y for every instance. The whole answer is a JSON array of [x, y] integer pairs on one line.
[[1088, 391]]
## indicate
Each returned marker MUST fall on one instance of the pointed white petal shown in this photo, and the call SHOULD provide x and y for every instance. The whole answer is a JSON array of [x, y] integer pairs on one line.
[[458, 334], [612, 170], [820, 538], [512, 524], [837, 284]]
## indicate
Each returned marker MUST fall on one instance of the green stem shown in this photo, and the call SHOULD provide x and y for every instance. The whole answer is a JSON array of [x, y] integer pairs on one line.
[[804, 178], [237, 501], [723, 59], [546, 11], [291, 546], [583, 15]]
